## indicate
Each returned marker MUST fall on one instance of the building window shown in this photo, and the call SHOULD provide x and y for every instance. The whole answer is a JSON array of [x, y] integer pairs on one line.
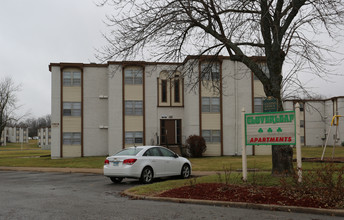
[[211, 136], [210, 104], [302, 139], [133, 76], [258, 105], [71, 138], [133, 108], [71, 78], [301, 107], [133, 137], [302, 123], [176, 91], [71, 109], [163, 90], [210, 71]]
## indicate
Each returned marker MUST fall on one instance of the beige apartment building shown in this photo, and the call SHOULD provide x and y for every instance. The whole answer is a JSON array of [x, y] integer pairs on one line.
[[99, 109]]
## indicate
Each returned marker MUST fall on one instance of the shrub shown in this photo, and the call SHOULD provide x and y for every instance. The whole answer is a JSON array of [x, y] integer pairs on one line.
[[324, 184], [196, 145], [343, 143]]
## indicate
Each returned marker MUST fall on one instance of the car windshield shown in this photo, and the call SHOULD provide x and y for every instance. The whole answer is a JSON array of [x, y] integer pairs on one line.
[[129, 152]]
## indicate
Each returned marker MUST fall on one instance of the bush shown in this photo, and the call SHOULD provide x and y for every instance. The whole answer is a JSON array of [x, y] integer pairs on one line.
[[343, 143], [324, 184], [196, 145]]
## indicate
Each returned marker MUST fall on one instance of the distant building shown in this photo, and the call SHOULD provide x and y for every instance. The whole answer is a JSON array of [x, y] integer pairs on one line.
[[44, 138], [316, 116], [99, 109], [15, 135]]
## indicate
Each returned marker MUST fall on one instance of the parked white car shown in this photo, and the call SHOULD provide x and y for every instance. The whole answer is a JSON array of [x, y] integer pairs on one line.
[[146, 163]]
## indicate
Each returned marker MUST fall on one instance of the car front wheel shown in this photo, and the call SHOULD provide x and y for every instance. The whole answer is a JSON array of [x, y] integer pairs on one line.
[[186, 172], [147, 175], [116, 179]]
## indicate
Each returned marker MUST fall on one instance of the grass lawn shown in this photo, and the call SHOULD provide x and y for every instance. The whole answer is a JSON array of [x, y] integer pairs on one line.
[[27, 155], [261, 178]]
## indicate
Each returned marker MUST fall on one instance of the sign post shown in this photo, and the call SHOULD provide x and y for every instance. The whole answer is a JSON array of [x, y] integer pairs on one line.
[[243, 153], [298, 143]]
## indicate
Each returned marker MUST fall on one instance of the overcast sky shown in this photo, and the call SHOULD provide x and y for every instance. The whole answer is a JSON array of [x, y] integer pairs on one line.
[[35, 33]]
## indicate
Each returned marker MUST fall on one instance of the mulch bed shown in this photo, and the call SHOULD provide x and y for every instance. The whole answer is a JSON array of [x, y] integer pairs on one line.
[[326, 159], [238, 193]]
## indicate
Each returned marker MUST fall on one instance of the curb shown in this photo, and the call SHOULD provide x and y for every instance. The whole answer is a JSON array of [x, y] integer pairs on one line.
[[330, 212]]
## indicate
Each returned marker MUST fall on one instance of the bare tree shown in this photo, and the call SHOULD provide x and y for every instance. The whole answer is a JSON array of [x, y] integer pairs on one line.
[[280, 30], [35, 123], [8, 102]]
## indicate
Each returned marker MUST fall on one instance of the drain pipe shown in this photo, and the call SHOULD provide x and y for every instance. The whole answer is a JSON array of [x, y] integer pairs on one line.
[[235, 107]]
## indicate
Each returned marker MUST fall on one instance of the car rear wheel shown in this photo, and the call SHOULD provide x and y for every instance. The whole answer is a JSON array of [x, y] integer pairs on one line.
[[116, 179], [185, 173], [147, 175]]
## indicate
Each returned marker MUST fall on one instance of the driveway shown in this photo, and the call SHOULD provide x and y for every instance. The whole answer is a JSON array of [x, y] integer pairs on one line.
[[48, 195]]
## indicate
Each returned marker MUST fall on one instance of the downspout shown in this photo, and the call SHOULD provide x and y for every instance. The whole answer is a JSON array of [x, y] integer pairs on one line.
[[235, 107]]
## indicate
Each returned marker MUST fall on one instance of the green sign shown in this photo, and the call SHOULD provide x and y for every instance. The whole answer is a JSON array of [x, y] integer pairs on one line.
[[275, 128], [270, 104]]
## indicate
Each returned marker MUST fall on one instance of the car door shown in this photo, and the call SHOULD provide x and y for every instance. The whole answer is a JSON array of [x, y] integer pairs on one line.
[[172, 163], [155, 160]]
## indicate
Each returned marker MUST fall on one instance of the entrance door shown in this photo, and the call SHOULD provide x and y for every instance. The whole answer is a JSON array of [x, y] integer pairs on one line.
[[170, 131]]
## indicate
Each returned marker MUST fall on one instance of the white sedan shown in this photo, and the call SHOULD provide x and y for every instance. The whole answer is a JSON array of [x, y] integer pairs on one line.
[[146, 163]]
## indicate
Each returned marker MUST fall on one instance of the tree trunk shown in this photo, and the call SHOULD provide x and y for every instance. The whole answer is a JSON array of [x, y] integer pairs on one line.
[[282, 160], [282, 155]]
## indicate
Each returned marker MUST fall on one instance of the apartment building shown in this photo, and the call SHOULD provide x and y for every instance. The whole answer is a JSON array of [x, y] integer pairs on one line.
[[99, 109], [316, 118], [14, 135], [44, 138]]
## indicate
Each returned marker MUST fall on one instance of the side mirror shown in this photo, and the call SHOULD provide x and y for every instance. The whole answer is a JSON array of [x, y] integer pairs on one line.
[[175, 156]]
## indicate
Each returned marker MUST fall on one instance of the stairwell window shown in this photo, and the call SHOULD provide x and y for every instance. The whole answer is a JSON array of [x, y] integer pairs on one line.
[[210, 104], [71, 138], [133, 108], [71, 78], [258, 104], [133, 76], [71, 109], [210, 71], [133, 137], [211, 136]]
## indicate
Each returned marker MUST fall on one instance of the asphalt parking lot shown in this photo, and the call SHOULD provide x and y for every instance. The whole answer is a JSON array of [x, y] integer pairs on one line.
[[53, 195]]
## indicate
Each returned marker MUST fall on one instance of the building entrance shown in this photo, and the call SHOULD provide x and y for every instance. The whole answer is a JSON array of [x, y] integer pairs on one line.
[[170, 131]]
